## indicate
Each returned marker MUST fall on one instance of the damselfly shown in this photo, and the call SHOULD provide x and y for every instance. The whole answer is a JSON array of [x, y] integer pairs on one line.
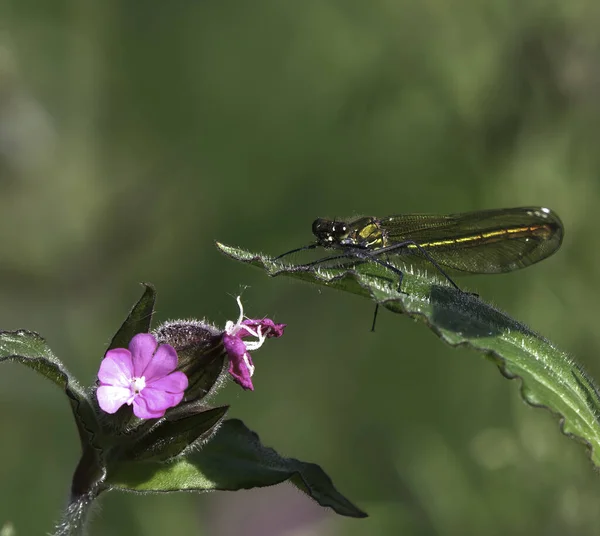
[[482, 242]]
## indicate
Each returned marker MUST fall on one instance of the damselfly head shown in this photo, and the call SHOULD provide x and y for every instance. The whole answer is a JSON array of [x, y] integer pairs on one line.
[[329, 232]]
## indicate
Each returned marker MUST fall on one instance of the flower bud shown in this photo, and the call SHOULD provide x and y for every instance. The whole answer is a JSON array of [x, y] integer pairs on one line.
[[202, 356]]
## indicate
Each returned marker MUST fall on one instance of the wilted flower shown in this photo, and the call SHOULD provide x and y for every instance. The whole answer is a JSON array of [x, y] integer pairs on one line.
[[241, 366]]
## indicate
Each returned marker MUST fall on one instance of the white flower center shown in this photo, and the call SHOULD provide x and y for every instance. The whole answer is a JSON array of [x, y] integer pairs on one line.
[[234, 329], [255, 345], [230, 327], [249, 366], [136, 386]]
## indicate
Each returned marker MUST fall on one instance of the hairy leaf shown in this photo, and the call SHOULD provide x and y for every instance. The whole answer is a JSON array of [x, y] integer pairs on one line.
[[549, 378]]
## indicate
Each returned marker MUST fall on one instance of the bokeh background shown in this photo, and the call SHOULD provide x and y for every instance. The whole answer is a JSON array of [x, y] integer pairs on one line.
[[134, 134]]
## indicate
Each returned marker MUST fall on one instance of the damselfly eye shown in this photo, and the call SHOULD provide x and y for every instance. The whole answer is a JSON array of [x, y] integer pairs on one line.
[[320, 226], [324, 230]]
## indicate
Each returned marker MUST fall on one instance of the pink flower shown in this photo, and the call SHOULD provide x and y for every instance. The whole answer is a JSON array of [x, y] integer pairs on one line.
[[241, 366], [142, 376]]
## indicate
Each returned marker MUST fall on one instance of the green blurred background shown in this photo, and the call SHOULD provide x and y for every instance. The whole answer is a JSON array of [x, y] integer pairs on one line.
[[134, 134]]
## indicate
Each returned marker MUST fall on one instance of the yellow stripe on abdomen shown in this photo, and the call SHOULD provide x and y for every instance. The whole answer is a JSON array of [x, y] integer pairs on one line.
[[543, 231]]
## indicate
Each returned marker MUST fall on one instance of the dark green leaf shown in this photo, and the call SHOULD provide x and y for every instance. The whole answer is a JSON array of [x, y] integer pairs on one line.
[[28, 348], [233, 459], [138, 321]]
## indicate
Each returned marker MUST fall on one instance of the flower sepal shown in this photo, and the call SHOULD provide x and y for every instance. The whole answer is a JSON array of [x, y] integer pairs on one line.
[[189, 428], [201, 353]]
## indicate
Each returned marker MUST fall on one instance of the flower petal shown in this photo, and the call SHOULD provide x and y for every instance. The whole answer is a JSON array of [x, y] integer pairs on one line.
[[142, 411], [163, 362], [116, 368], [240, 373], [175, 382], [234, 346], [111, 398], [268, 327], [238, 367], [142, 348], [159, 400]]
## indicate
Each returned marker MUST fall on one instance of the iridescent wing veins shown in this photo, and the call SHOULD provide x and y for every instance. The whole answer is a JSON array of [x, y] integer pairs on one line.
[[490, 241]]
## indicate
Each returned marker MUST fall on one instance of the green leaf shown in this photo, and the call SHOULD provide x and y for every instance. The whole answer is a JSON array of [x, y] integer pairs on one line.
[[138, 321], [28, 348], [233, 459], [170, 437], [549, 378]]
